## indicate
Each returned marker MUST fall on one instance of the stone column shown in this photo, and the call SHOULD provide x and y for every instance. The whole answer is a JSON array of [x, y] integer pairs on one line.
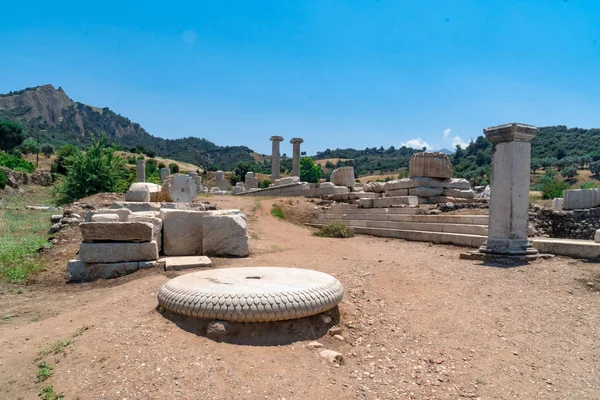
[[275, 165], [220, 178], [509, 201], [296, 160], [164, 174], [140, 170]]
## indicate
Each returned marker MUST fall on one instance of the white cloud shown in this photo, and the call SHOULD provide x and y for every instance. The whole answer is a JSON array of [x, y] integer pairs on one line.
[[417, 143], [457, 141], [447, 132]]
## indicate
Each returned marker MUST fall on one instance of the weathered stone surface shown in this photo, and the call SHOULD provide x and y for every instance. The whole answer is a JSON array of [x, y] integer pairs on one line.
[[332, 356], [42, 178], [343, 176], [220, 179], [597, 236], [557, 203], [423, 191], [180, 263], [250, 181], [178, 188], [78, 270], [55, 228], [409, 183], [464, 194], [396, 193], [581, 198], [108, 218], [296, 156], [136, 206], [116, 231], [142, 192], [182, 232], [140, 170], [217, 329], [286, 181], [275, 161], [164, 174], [386, 202], [15, 178], [118, 252], [433, 165], [377, 187], [225, 235], [55, 218], [123, 213], [151, 218]]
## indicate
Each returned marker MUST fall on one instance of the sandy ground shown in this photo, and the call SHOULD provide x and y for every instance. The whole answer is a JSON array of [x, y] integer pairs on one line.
[[418, 323]]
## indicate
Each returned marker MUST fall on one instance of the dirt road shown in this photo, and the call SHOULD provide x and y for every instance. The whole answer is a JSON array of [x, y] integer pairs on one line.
[[418, 323]]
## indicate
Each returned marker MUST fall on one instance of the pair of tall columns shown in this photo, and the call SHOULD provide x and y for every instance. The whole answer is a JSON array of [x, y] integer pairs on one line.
[[275, 157]]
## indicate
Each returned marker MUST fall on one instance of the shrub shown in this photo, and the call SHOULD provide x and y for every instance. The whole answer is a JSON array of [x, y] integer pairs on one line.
[[335, 230], [588, 185], [131, 160], [569, 172], [96, 171], [553, 188], [62, 154], [161, 165], [241, 169], [277, 211], [174, 168], [29, 146], [15, 163], [235, 179], [47, 150], [11, 135], [3, 179], [264, 184], [150, 153], [309, 171]]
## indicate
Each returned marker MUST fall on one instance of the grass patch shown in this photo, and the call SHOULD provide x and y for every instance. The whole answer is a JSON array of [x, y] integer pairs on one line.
[[80, 331], [257, 206], [335, 230], [44, 372], [22, 234], [49, 393], [55, 348], [277, 212]]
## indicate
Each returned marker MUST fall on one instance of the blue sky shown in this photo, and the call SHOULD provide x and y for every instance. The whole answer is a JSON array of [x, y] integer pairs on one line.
[[345, 73]]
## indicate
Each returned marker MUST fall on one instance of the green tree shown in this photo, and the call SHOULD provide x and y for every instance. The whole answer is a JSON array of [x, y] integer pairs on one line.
[[29, 146], [570, 171], [63, 153], [536, 164], [595, 168], [554, 188], [241, 169], [3, 179], [47, 150], [95, 171], [11, 135], [309, 171], [174, 168]]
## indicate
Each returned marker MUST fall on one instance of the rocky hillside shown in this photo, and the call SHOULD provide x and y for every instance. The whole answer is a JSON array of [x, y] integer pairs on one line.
[[59, 120]]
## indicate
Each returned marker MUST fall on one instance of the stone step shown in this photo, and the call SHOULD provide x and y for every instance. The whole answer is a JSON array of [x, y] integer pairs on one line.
[[421, 236], [418, 226], [567, 247], [448, 219], [398, 210]]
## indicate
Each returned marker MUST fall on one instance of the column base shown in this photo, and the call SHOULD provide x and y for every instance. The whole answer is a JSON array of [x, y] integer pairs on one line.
[[505, 252]]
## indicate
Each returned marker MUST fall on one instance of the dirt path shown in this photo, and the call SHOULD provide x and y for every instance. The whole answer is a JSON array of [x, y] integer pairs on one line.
[[419, 324]]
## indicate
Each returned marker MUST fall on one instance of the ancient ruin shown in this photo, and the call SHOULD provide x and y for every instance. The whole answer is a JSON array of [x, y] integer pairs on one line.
[[296, 156], [140, 170], [343, 176], [220, 178], [178, 188], [251, 182], [164, 174], [275, 162]]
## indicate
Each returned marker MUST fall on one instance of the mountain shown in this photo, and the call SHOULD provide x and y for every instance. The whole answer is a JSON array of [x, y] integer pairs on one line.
[[59, 120], [445, 151]]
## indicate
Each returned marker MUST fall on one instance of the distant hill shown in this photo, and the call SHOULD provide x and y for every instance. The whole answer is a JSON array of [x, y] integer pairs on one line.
[[59, 120], [370, 160], [445, 151]]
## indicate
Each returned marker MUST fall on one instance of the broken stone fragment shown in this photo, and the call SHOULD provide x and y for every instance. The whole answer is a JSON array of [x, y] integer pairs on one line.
[[116, 231]]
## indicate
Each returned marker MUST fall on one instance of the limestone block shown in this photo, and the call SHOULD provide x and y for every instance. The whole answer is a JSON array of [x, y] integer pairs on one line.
[[178, 188], [377, 187], [250, 181], [463, 194], [485, 194], [326, 184], [286, 181], [55, 218], [220, 179], [136, 206], [597, 237], [365, 203], [581, 198], [112, 218], [118, 252], [147, 264], [396, 193], [116, 231], [150, 217], [215, 190], [15, 178], [423, 191], [142, 192], [182, 232], [180, 263], [225, 235], [237, 190], [386, 202], [164, 174], [343, 176], [123, 213], [78, 270], [433, 165], [41, 178], [557, 203]]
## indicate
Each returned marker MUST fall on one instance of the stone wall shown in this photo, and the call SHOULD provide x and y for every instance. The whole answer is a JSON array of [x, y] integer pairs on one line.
[[569, 224]]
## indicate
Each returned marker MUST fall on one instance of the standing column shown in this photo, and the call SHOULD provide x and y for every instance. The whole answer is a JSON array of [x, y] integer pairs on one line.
[[275, 165], [164, 174], [509, 201], [296, 160], [140, 170]]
